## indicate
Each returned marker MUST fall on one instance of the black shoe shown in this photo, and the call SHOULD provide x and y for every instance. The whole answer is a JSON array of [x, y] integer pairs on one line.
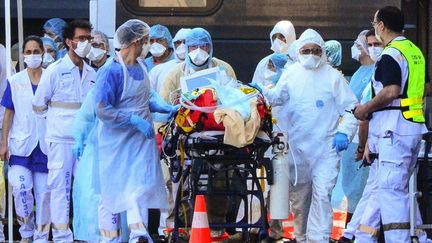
[[160, 239], [345, 240], [142, 239]]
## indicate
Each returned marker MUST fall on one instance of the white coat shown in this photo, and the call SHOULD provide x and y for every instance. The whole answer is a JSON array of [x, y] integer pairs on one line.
[[60, 93], [27, 130]]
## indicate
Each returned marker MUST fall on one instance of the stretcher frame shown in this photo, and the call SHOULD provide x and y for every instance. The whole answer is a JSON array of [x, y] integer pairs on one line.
[[414, 194], [210, 156]]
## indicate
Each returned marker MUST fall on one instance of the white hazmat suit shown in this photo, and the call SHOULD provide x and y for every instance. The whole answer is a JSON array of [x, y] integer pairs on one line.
[[286, 28], [315, 99]]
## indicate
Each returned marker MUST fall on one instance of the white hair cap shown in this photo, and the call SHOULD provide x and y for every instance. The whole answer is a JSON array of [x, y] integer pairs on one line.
[[130, 31]]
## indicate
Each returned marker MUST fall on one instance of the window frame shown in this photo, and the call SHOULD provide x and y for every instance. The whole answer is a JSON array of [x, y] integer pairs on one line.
[[133, 7]]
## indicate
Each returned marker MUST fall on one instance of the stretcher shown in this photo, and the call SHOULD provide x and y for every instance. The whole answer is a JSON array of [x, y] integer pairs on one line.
[[422, 175], [204, 165]]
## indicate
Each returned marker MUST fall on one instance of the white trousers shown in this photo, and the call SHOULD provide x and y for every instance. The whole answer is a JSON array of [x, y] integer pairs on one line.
[[60, 167], [389, 198], [23, 181], [311, 201], [109, 224], [362, 206]]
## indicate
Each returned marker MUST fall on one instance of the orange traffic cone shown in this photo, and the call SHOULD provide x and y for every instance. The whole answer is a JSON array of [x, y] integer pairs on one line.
[[339, 224], [200, 225]]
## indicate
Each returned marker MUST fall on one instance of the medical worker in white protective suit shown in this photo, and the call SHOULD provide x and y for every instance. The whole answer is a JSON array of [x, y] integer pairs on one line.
[[316, 96], [281, 38], [62, 89], [24, 146], [351, 179], [159, 72], [130, 176], [273, 71], [396, 124]]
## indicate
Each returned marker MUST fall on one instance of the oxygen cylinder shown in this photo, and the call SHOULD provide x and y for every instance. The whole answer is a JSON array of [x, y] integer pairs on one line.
[[279, 191]]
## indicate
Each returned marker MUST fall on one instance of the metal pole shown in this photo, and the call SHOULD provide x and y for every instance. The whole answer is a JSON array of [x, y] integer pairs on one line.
[[8, 74], [20, 34]]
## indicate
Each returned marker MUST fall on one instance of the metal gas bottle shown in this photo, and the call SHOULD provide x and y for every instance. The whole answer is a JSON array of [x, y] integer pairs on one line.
[[279, 191]]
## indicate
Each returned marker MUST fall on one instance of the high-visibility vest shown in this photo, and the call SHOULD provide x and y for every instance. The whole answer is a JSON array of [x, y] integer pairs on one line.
[[411, 100]]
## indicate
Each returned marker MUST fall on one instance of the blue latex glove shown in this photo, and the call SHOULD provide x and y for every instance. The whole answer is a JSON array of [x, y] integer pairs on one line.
[[340, 142], [157, 104], [256, 86], [173, 112], [78, 147], [143, 126]]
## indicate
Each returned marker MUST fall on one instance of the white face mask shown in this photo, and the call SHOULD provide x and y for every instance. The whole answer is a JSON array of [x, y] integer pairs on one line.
[[83, 48], [198, 56], [375, 52], [47, 60], [157, 49], [269, 74], [309, 61], [145, 50], [279, 46], [96, 54], [355, 52], [33, 61], [180, 51]]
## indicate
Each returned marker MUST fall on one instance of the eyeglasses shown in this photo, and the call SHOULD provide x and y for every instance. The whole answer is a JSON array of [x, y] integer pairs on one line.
[[158, 40], [98, 44], [83, 38], [314, 51], [202, 47]]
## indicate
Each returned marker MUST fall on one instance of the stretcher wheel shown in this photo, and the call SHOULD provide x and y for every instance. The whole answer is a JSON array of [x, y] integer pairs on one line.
[[263, 236], [175, 170]]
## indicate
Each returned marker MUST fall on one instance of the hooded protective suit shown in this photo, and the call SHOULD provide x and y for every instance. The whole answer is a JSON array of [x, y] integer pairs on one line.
[[286, 28], [309, 95]]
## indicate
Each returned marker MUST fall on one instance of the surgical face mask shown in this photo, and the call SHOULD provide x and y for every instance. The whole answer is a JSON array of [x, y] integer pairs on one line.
[[33, 61], [198, 56], [145, 50], [180, 51], [96, 54], [375, 52], [157, 49], [269, 74], [47, 60], [355, 52], [83, 48], [279, 46], [309, 61]]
